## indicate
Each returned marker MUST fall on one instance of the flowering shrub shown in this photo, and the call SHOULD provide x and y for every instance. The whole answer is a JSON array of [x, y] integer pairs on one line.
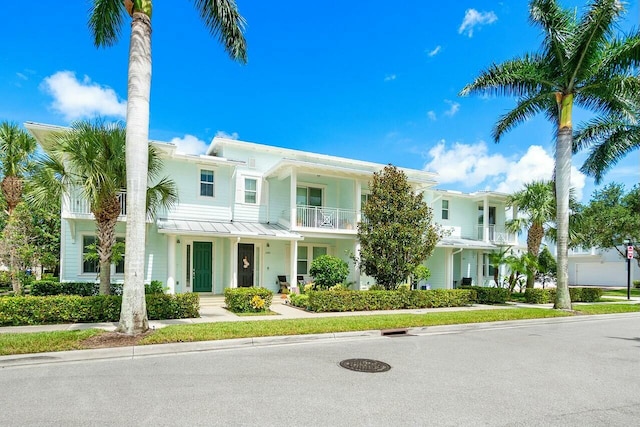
[[248, 300]]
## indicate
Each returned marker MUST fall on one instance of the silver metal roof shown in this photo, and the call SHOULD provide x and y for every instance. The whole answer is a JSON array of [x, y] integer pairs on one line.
[[228, 229]]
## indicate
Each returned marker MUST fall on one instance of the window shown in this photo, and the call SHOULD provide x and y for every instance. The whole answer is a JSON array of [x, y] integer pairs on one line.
[[89, 266], [304, 262], [492, 215], [488, 268], [94, 266], [120, 265], [364, 198], [250, 190], [309, 196], [445, 209], [206, 183]]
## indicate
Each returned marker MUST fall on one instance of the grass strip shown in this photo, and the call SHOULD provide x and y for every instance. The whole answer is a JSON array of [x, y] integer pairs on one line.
[[227, 330], [607, 308], [42, 342], [635, 292]]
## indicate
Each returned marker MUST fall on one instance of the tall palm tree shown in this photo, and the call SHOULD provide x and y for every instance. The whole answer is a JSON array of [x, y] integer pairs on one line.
[[89, 158], [608, 139], [536, 200], [16, 151], [223, 20], [580, 62]]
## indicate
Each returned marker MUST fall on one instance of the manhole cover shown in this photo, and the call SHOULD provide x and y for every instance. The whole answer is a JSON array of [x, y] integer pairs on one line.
[[365, 365]]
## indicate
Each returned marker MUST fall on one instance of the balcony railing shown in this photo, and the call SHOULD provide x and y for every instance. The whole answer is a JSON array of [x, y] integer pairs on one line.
[[80, 206], [325, 218], [496, 234]]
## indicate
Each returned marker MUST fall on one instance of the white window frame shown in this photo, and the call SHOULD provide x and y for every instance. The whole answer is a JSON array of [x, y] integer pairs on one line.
[[83, 273], [247, 191], [447, 210], [309, 259], [308, 185], [200, 182]]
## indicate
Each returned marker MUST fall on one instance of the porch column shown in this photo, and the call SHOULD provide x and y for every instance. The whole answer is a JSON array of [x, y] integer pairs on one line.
[[358, 193], [234, 262], [356, 274], [294, 263], [485, 219], [292, 200], [171, 263], [514, 216], [479, 273]]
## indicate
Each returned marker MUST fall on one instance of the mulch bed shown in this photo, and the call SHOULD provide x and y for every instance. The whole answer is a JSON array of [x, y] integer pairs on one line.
[[114, 339]]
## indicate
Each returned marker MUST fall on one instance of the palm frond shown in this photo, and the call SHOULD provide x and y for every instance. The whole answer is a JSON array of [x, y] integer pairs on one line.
[[105, 21], [557, 25], [224, 21], [49, 182], [518, 77], [526, 109], [163, 194], [620, 55]]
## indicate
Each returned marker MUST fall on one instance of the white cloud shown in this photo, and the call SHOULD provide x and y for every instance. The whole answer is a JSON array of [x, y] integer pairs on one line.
[[453, 108], [189, 145], [473, 166], [473, 18], [223, 134], [435, 51], [390, 77], [432, 115], [22, 76], [76, 99]]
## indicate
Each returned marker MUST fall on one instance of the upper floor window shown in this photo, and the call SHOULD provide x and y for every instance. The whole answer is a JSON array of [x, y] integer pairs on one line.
[[250, 190], [492, 215], [445, 209], [309, 196], [206, 183]]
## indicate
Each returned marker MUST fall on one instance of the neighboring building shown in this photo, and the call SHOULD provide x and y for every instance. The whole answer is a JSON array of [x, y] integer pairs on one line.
[[598, 267], [248, 213]]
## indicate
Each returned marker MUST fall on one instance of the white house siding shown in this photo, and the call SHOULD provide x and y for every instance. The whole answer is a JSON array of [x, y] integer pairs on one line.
[[435, 264], [279, 199]]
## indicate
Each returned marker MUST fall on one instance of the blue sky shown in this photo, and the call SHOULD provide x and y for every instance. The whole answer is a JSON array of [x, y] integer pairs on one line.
[[373, 80]]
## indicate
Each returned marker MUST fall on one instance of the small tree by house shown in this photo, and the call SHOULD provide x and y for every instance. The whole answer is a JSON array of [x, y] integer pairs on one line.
[[397, 233], [16, 245], [328, 270], [547, 266]]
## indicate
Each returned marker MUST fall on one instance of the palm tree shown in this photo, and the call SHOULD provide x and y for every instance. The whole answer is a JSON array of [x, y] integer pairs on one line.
[[16, 151], [223, 20], [609, 139], [581, 62], [537, 202], [90, 158]]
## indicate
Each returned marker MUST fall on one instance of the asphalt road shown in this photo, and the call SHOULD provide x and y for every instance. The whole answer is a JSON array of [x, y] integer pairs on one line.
[[561, 373]]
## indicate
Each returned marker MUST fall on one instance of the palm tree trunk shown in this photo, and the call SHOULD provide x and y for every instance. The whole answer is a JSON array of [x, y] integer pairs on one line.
[[563, 182], [106, 215], [534, 240], [133, 315]]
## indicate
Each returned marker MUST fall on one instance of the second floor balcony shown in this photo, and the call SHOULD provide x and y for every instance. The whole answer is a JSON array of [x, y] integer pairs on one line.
[[496, 234], [78, 206], [322, 218]]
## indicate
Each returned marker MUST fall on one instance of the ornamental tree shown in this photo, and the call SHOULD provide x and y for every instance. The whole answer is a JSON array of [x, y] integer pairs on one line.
[[328, 270], [396, 233]]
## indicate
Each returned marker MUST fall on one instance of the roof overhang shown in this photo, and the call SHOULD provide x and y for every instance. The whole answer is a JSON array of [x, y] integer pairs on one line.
[[460, 243], [226, 229]]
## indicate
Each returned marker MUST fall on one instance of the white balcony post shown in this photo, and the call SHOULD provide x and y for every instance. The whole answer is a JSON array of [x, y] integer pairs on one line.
[[171, 263], [485, 219], [234, 262], [358, 191], [292, 200]]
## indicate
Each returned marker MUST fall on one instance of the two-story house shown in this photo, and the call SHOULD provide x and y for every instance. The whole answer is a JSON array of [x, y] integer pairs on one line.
[[248, 213]]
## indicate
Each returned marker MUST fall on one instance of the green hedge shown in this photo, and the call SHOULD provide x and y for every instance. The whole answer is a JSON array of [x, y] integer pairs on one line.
[[37, 310], [248, 300], [299, 300], [85, 289], [488, 295], [545, 296], [347, 300]]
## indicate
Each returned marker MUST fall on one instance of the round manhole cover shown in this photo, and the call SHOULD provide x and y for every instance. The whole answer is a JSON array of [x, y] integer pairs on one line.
[[365, 365]]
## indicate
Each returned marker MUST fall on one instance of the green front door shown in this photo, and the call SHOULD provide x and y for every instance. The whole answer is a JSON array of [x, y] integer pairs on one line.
[[202, 254]]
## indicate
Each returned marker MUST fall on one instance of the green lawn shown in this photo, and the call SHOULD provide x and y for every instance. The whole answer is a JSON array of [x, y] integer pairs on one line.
[[635, 292], [13, 343]]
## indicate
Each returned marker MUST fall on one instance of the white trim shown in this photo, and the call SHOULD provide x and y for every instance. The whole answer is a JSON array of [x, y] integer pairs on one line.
[[200, 182]]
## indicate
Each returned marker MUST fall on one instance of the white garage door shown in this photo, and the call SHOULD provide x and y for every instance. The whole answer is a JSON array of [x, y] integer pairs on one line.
[[600, 274]]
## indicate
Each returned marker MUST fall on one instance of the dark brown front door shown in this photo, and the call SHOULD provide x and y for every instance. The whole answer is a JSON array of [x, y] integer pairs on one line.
[[245, 264]]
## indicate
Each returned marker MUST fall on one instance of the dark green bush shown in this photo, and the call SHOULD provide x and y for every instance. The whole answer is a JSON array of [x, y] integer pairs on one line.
[[487, 295], [585, 294], [539, 296], [32, 310], [298, 300], [85, 289], [346, 300], [248, 300], [328, 270]]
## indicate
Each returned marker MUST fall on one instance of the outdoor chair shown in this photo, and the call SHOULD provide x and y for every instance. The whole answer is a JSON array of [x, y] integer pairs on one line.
[[282, 281], [466, 281]]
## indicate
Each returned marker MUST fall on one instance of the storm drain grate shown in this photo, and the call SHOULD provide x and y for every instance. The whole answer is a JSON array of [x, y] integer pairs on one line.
[[365, 365]]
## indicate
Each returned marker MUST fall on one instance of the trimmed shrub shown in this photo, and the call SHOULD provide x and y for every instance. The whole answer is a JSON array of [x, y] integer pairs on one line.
[[32, 310], [85, 289], [248, 300], [346, 300], [487, 295], [636, 284], [328, 270], [539, 296], [585, 294], [298, 300]]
